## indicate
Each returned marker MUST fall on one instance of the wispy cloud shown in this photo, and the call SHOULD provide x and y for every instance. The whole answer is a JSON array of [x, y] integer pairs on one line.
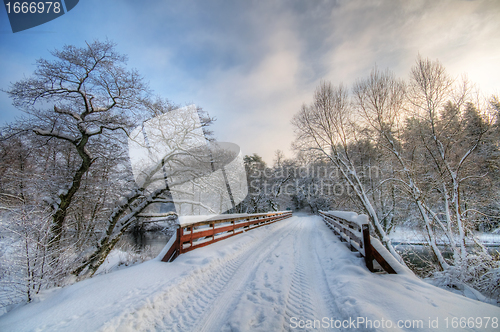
[[253, 63]]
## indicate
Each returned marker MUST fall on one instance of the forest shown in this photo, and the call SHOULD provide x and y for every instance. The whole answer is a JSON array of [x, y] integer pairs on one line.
[[421, 153]]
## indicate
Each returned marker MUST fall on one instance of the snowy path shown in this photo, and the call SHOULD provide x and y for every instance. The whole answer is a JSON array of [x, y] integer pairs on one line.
[[261, 286], [276, 278]]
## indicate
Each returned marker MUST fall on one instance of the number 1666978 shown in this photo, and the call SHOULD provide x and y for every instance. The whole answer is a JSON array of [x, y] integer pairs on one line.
[[33, 7]]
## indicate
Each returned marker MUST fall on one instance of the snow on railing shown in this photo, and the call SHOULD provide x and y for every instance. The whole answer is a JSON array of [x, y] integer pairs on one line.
[[194, 234], [355, 230]]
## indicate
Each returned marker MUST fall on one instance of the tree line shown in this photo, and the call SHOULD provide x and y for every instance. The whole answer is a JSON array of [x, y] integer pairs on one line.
[[421, 153]]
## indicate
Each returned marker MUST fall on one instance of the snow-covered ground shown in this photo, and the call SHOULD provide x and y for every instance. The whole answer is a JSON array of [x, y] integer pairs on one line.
[[290, 275]]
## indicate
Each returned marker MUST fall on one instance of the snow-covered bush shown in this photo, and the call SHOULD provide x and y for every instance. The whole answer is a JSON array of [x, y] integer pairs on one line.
[[480, 271], [28, 264], [125, 255]]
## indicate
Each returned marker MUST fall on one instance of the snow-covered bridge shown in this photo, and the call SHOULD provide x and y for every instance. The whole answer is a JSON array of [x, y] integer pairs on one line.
[[294, 274]]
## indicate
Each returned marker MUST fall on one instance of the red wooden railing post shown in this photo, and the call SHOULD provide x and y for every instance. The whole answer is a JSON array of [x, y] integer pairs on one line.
[[175, 249], [367, 246], [178, 243], [192, 237], [348, 232]]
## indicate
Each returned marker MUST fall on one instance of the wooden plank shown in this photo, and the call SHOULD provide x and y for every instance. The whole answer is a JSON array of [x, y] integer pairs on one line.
[[209, 242], [170, 253], [221, 218], [367, 247], [346, 231], [186, 235], [357, 247], [174, 250], [351, 235], [197, 235], [340, 220], [193, 235], [208, 232], [382, 261]]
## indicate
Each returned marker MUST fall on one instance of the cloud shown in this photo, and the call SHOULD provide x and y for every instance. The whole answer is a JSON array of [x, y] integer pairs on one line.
[[278, 52], [255, 99], [253, 63], [461, 34]]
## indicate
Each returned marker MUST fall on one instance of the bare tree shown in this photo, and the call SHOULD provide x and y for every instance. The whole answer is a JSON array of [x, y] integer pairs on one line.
[[432, 130], [83, 94], [451, 129], [380, 99], [172, 164], [328, 126]]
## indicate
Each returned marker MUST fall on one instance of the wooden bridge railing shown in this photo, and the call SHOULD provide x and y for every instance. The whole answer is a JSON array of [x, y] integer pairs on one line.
[[357, 235], [203, 233]]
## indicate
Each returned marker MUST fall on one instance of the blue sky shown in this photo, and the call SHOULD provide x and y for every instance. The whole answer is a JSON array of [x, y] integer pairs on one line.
[[252, 64]]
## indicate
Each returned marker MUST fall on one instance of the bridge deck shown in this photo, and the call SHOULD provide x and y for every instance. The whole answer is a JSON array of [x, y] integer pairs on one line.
[[280, 277]]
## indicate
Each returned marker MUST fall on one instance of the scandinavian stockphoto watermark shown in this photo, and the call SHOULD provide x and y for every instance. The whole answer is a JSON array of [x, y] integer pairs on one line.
[[24, 15], [316, 180]]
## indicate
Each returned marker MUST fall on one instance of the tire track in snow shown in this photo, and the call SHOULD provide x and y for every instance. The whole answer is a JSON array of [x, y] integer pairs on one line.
[[222, 308], [299, 303], [185, 315], [310, 298], [323, 281], [275, 276], [182, 308], [277, 288], [279, 285]]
